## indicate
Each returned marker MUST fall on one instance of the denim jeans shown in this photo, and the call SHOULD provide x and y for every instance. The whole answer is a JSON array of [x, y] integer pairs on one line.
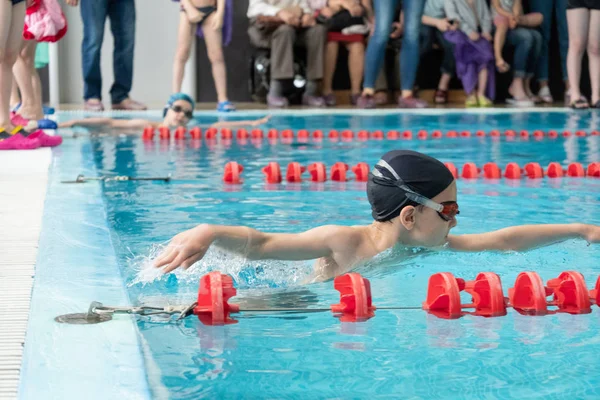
[[528, 44], [560, 8], [409, 54], [429, 35], [122, 26]]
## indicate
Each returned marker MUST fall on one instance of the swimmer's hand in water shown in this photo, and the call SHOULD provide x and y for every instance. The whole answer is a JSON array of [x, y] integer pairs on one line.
[[591, 233], [185, 249]]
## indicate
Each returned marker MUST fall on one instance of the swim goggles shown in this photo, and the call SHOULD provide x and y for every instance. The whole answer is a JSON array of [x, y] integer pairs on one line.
[[447, 210], [188, 113]]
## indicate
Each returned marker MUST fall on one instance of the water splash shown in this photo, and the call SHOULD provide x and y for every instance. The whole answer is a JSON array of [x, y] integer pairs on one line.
[[245, 273]]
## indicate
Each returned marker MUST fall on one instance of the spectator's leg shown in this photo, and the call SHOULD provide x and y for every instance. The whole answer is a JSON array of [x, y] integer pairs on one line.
[[499, 41], [534, 56], [482, 79], [282, 58], [409, 54], [593, 50], [563, 39], [93, 15], [23, 71], [382, 88], [579, 21], [185, 36], [523, 43], [532, 20], [11, 37], [448, 63], [356, 66], [314, 39], [544, 7], [331, 55], [15, 97], [122, 25], [214, 47], [384, 15]]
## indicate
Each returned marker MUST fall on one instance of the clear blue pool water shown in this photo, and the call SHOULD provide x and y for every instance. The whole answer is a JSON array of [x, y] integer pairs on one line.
[[397, 354]]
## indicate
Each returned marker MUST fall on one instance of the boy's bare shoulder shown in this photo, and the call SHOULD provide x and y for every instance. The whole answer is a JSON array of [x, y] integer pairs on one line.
[[344, 236]]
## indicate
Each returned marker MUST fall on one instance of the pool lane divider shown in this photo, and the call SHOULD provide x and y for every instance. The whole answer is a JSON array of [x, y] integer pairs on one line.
[[528, 296], [339, 171], [303, 135]]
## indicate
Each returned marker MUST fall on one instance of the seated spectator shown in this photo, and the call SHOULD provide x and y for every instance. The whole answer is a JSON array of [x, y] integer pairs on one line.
[[510, 22], [473, 50], [346, 24], [279, 25], [434, 25], [546, 7], [122, 21], [583, 17]]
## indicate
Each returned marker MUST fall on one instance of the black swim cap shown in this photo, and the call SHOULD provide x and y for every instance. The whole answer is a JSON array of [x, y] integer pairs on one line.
[[421, 173]]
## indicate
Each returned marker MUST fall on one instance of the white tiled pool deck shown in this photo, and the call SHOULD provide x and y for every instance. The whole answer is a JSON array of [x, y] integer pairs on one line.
[[23, 182]]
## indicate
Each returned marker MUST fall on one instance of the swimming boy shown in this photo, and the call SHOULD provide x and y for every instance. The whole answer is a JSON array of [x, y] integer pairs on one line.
[[414, 203], [178, 112]]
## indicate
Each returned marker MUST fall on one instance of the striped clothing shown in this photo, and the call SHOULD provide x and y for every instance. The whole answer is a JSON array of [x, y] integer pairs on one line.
[[470, 18]]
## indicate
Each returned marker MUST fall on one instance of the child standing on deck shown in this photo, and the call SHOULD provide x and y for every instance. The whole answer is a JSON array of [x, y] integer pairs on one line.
[[473, 50], [12, 17], [213, 20]]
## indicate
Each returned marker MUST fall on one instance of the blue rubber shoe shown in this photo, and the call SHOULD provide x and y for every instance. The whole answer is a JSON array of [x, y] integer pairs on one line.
[[225, 106], [47, 124]]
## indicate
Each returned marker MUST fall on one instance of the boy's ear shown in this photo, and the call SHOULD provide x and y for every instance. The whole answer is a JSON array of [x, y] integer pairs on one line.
[[407, 217]]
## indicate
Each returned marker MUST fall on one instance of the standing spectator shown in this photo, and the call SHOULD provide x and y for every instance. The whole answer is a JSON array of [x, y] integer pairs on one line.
[[473, 50], [338, 16], [388, 79], [545, 7], [409, 55], [435, 23], [214, 23], [279, 25], [122, 24], [583, 17]]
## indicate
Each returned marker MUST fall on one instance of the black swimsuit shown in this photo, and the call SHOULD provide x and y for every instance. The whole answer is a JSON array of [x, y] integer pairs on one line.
[[204, 10]]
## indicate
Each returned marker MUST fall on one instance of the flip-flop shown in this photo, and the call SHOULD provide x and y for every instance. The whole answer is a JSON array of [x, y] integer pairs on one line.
[[225, 106], [580, 104], [44, 139]]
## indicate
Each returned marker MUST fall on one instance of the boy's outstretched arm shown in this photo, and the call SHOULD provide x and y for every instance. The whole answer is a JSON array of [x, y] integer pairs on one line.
[[190, 246], [234, 124], [524, 237]]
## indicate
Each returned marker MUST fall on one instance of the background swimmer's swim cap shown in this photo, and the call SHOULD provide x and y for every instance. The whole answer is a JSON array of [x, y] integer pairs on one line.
[[178, 96], [423, 174]]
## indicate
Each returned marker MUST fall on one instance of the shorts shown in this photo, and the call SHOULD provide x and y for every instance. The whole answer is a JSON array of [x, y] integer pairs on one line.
[[589, 4], [15, 2]]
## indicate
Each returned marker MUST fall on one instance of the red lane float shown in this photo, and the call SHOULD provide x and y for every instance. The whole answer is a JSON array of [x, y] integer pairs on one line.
[[452, 168], [272, 172], [355, 298], [377, 135], [338, 172], [164, 133], [148, 133], [422, 135], [512, 171], [393, 135], [233, 173], [492, 171], [318, 172], [257, 134], [271, 134], [214, 292], [470, 171], [180, 133], [437, 134], [593, 170], [242, 134], [363, 135], [196, 133], [294, 172], [361, 172], [534, 171]]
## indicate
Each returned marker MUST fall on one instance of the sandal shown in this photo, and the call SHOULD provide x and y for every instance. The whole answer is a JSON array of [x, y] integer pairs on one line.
[[225, 106], [503, 67], [16, 141], [580, 104], [484, 101], [471, 101], [440, 96]]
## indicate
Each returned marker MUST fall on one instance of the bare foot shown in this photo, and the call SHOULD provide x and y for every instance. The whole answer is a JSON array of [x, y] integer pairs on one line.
[[32, 113]]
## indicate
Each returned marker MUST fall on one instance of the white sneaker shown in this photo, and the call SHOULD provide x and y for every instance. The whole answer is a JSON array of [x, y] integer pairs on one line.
[[545, 95], [520, 103], [356, 30]]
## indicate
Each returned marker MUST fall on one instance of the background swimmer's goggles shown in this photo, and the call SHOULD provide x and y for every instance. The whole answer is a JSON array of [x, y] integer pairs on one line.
[[446, 210], [188, 113]]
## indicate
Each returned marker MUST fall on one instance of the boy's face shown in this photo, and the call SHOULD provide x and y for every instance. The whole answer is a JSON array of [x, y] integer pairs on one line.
[[179, 114], [430, 229]]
